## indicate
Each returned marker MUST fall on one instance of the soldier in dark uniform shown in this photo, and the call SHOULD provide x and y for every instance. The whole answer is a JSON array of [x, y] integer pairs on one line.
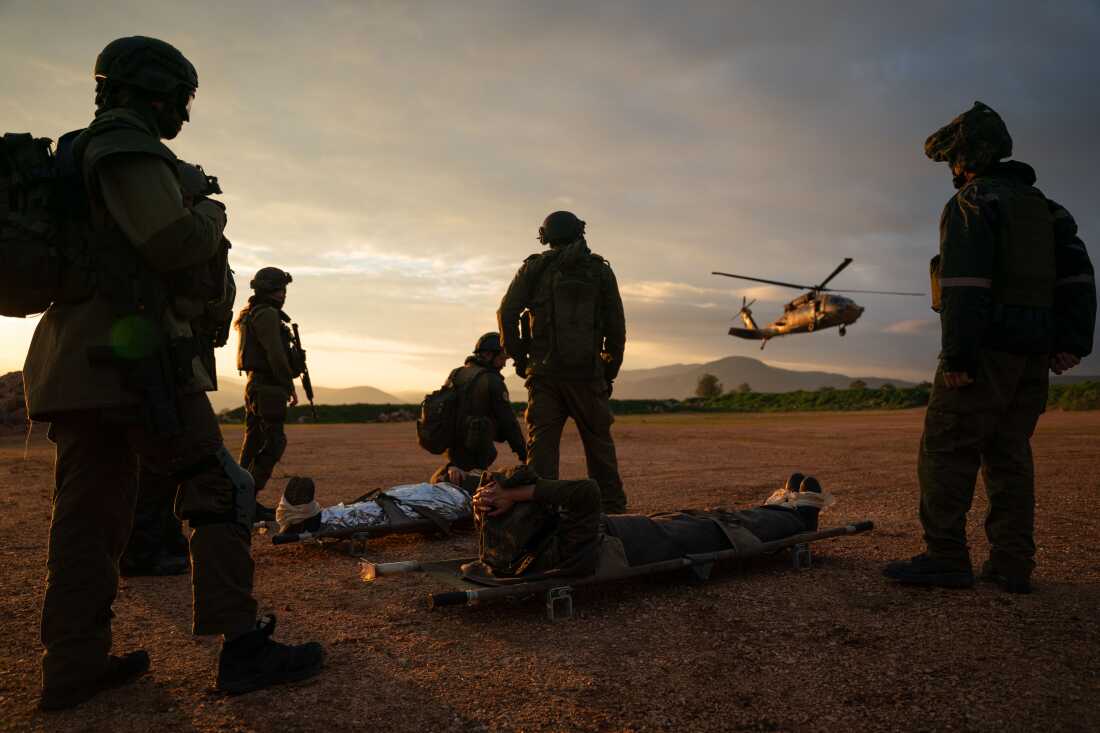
[[265, 353], [485, 413], [1017, 299], [562, 322], [118, 376], [157, 544]]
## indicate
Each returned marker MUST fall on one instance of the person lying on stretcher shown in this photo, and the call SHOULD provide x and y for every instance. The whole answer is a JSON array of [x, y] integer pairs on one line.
[[531, 527], [445, 498]]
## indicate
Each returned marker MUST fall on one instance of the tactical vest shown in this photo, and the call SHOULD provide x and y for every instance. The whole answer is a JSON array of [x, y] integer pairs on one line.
[[564, 315], [251, 356]]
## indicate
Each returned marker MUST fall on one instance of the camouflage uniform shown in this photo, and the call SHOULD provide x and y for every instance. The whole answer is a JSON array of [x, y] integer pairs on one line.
[[84, 374], [264, 353], [568, 293], [1017, 286], [486, 417]]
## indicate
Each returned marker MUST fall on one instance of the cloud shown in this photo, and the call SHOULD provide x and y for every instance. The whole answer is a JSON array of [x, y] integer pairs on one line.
[[399, 157], [912, 326]]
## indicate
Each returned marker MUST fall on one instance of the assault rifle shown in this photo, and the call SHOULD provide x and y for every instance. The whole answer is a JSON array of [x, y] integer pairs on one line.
[[300, 354]]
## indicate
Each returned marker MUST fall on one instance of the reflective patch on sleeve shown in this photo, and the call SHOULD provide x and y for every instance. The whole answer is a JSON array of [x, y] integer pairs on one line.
[[966, 282], [1073, 279]]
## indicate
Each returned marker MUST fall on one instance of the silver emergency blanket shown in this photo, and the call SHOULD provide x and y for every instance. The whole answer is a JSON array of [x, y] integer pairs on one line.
[[447, 500]]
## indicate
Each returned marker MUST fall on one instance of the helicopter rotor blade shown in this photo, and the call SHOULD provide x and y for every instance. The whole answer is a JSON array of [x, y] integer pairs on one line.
[[762, 280], [874, 292], [847, 261]]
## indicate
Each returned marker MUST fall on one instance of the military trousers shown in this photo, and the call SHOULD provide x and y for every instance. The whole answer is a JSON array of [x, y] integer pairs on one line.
[[265, 410], [96, 484], [550, 402], [157, 531], [987, 427]]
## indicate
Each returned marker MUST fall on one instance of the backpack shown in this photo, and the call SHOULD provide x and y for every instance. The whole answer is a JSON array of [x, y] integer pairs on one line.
[[30, 258], [437, 425], [570, 288]]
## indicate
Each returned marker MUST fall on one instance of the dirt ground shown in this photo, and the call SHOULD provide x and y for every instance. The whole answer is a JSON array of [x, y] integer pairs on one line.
[[766, 649]]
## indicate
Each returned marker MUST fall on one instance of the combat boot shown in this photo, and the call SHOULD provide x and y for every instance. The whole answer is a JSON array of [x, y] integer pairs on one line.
[[162, 565], [925, 570], [808, 514], [255, 661], [1008, 583], [120, 671]]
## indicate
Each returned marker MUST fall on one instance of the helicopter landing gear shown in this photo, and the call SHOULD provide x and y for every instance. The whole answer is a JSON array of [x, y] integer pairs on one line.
[[843, 330]]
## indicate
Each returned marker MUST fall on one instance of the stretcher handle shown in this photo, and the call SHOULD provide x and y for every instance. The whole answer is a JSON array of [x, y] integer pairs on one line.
[[449, 598], [284, 539], [863, 526]]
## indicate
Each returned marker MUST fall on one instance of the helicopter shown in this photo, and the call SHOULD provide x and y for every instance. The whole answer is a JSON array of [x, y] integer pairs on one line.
[[819, 307]]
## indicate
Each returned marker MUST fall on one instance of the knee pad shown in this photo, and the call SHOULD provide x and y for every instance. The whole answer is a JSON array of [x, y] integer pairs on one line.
[[274, 447], [242, 510]]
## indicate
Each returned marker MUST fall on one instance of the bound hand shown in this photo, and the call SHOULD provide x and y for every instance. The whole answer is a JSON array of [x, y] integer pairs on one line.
[[954, 380], [293, 399], [1063, 361], [492, 500], [455, 475]]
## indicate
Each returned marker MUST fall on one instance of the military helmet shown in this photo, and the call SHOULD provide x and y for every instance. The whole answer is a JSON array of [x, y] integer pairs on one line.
[[972, 140], [489, 342], [270, 278], [560, 227], [147, 63]]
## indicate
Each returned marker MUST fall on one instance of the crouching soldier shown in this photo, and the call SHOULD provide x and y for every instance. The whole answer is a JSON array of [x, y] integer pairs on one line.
[[533, 528], [264, 352], [485, 413]]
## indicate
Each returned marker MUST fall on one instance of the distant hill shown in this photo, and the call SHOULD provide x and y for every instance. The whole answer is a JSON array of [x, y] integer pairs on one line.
[[678, 381], [1073, 379], [230, 395]]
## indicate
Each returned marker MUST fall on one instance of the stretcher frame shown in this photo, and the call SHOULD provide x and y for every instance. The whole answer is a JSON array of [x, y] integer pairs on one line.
[[558, 591]]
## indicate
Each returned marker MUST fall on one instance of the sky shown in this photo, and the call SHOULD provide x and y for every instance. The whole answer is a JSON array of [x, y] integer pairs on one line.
[[398, 157]]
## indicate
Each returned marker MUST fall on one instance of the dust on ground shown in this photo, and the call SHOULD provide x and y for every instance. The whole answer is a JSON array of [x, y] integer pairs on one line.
[[763, 649]]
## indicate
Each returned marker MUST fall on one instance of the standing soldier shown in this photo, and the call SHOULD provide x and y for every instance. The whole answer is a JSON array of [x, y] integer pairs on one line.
[[562, 322], [117, 375], [485, 413], [157, 545], [1018, 298], [265, 353]]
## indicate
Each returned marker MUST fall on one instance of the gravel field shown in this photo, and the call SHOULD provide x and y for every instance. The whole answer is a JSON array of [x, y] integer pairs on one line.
[[763, 649]]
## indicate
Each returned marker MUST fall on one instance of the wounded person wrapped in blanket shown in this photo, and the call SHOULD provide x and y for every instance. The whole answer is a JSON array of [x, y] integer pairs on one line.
[[435, 505], [531, 528]]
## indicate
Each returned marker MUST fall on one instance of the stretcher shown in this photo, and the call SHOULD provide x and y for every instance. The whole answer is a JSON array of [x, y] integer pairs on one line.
[[557, 591]]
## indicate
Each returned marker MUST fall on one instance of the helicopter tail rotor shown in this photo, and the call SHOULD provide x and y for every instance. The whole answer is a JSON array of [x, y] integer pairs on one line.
[[746, 313]]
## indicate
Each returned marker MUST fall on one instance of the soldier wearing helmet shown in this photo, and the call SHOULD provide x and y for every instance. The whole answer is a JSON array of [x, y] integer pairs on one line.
[[1016, 298], [485, 414], [264, 352], [562, 322], [119, 377]]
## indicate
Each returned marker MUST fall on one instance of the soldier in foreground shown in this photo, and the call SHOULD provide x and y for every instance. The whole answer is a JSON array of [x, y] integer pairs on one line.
[[265, 352], [114, 375], [485, 413], [1018, 299], [157, 545], [562, 323]]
